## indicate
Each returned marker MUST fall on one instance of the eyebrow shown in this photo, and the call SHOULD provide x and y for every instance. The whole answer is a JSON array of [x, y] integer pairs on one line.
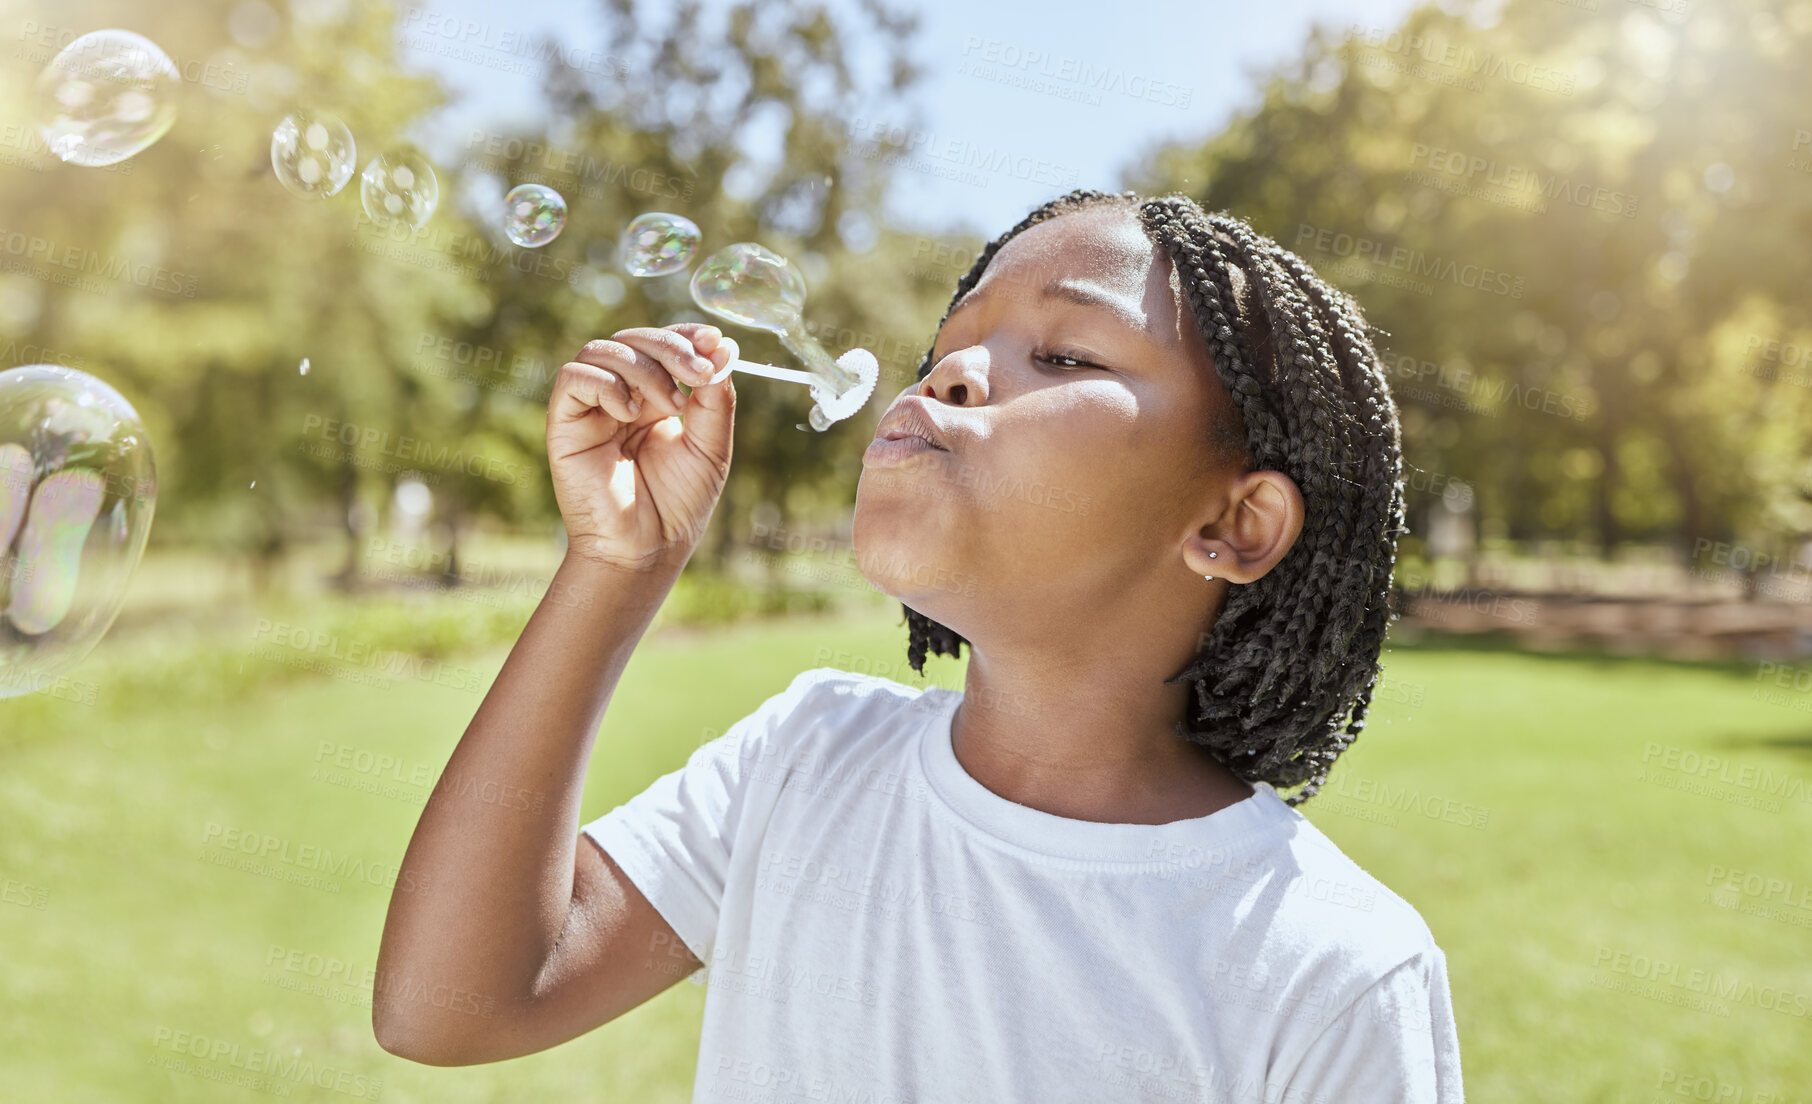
[[1082, 294]]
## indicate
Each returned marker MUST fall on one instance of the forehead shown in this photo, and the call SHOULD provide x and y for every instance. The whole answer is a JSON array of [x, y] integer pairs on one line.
[[1104, 245], [1105, 251]]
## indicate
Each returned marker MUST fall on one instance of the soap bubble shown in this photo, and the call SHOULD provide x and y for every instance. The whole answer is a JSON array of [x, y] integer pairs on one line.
[[77, 490], [105, 97], [658, 243], [314, 155], [753, 285], [533, 215], [399, 189]]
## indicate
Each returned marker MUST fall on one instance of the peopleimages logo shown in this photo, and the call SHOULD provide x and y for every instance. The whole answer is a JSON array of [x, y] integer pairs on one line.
[[308, 856], [410, 450], [1522, 179], [74, 260], [1412, 261], [593, 177], [312, 649], [253, 1061]]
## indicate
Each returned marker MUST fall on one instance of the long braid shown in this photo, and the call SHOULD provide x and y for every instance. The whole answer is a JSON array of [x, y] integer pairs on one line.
[[1284, 680]]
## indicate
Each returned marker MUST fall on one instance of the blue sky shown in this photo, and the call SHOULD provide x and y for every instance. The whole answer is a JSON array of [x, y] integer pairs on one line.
[[1020, 99]]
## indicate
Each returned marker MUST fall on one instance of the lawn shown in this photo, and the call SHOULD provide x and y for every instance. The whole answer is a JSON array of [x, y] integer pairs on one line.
[[1553, 818]]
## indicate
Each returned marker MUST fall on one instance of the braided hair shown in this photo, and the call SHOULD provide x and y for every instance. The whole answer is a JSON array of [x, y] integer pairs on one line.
[[1284, 679]]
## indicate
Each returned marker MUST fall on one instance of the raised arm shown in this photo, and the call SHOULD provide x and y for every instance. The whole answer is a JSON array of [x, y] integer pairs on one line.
[[508, 932]]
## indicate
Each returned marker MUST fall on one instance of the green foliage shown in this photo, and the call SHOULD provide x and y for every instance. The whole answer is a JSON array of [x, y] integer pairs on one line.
[[1637, 174], [1574, 227]]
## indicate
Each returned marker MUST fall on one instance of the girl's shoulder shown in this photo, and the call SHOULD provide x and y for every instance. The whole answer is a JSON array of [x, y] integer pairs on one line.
[[826, 711], [1343, 906]]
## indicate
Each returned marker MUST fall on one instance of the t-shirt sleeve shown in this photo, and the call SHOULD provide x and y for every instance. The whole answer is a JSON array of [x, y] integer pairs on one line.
[[675, 838], [1395, 1044]]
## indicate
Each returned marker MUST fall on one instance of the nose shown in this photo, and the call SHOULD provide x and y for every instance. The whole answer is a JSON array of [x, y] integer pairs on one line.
[[960, 379]]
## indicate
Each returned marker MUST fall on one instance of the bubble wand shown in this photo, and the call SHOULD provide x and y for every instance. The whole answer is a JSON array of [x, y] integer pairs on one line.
[[756, 287]]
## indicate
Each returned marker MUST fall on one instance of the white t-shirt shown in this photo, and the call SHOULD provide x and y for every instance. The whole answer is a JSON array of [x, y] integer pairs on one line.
[[878, 927]]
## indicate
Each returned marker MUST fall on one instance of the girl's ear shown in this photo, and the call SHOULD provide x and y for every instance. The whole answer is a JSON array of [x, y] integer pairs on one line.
[[1261, 521]]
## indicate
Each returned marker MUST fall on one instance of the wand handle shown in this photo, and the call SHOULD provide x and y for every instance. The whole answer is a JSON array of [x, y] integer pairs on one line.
[[771, 371]]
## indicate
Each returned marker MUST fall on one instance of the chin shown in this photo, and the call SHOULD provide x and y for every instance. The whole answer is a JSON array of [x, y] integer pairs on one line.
[[904, 554]]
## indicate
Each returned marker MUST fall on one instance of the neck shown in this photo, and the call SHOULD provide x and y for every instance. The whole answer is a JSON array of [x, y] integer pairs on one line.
[[1090, 741]]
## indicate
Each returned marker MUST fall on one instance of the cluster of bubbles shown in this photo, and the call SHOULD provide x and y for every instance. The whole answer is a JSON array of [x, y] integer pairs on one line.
[[314, 155], [77, 490], [111, 94], [77, 480]]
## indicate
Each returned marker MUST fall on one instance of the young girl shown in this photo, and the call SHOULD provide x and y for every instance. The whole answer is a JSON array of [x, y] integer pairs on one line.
[[1149, 474]]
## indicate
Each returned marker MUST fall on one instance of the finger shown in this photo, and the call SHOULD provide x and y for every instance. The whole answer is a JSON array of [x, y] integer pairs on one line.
[[581, 388], [704, 336], [646, 376], [671, 348], [674, 352]]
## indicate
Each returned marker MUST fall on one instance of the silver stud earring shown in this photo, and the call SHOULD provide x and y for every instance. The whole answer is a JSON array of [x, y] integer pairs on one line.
[[1211, 556]]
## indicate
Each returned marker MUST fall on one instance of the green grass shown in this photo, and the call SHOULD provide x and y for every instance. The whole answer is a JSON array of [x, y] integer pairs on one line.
[[108, 809]]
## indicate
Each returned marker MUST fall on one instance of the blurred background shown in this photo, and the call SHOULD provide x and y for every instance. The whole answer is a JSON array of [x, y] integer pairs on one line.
[[1583, 228]]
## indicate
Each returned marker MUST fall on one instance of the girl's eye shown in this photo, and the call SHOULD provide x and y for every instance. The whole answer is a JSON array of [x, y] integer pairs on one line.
[[1054, 357]]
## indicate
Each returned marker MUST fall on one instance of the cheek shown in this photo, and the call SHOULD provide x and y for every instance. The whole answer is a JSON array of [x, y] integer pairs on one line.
[[1059, 466], [1119, 463]]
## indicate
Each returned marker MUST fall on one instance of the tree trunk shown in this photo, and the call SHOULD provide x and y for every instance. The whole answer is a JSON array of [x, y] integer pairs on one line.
[[349, 497], [454, 517], [1610, 533], [1686, 485]]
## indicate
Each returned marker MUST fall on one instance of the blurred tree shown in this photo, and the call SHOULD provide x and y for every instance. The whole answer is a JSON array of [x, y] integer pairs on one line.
[[1576, 230], [1549, 211]]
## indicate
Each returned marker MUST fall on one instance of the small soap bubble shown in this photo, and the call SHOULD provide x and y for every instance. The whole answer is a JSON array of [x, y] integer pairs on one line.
[[533, 215], [314, 155], [106, 96], [658, 243], [399, 188], [77, 490]]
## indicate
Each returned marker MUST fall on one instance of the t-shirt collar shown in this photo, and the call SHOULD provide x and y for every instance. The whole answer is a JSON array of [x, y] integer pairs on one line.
[[1022, 828]]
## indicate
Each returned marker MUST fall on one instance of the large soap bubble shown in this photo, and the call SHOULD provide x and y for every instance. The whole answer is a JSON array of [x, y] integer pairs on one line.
[[658, 243], [77, 490], [313, 155], [753, 285], [105, 97], [399, 189], [533, 215]]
